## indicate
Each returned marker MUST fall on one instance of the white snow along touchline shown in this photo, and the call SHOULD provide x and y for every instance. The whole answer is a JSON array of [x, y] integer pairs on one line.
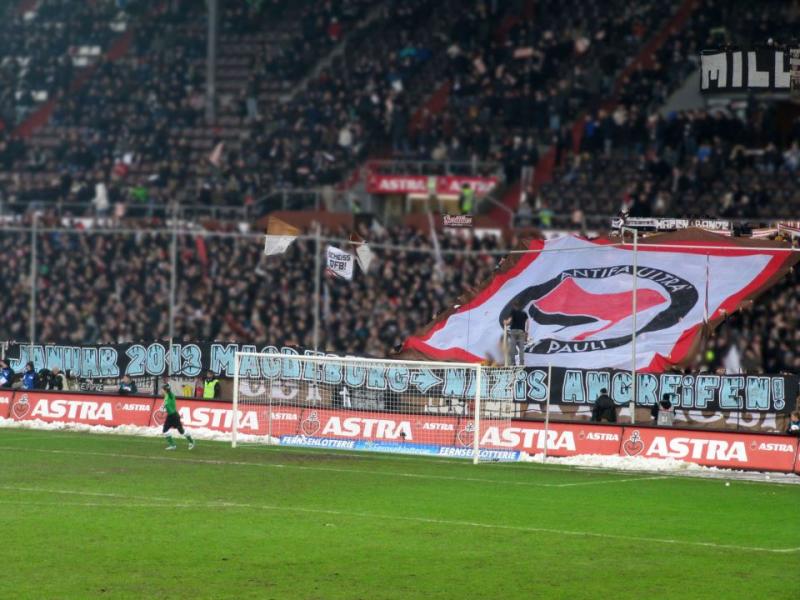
[[640, 464]]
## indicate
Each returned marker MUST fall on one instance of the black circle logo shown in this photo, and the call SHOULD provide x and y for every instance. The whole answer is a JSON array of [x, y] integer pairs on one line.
[[563, 304]]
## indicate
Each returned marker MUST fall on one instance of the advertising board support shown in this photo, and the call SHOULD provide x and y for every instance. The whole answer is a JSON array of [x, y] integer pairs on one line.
[[235, 427], [32, 320], [317, 275], [547, 411], [477, 417], [173, 277], [633, 318]]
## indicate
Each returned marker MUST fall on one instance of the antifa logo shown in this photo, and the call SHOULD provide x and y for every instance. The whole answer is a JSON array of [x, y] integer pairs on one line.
[[562, 308]]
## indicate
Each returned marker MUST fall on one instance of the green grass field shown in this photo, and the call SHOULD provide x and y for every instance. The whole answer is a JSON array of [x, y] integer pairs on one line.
[[91, 516]]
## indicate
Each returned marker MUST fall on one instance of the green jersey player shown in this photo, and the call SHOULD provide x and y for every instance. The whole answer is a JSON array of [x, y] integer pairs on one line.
[[173, 419]]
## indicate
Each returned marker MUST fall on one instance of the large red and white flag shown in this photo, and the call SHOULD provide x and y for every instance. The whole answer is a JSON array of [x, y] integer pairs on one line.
[[578, 295]]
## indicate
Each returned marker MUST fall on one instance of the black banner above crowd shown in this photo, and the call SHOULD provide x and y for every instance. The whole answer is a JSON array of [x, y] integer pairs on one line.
[[137, 360], [755, 393], [759, 69]]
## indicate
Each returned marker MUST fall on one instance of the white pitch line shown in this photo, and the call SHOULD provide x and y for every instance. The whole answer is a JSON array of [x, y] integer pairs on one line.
[[14, 488], [330, 469], [372, 456], [580, 483], [740, 477], [99, 504], [427, 520], [7, 439]]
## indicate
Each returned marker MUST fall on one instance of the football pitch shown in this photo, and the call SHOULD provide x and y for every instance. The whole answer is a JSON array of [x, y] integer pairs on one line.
[[94, 516]]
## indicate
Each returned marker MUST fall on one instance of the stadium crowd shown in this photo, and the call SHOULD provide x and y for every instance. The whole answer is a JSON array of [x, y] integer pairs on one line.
[[514, 75], [517, 71], [732, 163], [104, 287], [135, 132], [36, 53]]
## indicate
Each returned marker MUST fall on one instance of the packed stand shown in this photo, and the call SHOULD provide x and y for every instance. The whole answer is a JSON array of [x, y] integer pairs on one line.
[[763, 338], [357, 104], [135, 132], [106, 287], [37, 50], [739, 162], [697, 163], [114, 287], [496, 57], [713, 24], [519, 77], [502, 61], [281, 41]]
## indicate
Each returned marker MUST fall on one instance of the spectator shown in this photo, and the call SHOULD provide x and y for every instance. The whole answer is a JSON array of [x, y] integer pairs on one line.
[[58, 380], [793, 428], [663, 411], [211, 386], [6, 375], [466, 199], [127, 386], [45, 379], [604, 409], [517, 323], [30, 381], [791, 157]]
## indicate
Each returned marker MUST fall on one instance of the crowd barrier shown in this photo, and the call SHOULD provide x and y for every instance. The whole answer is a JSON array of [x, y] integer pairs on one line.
[[301, 426]]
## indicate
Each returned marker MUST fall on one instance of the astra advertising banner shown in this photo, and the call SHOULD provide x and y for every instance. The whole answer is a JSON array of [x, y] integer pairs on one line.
[[428, 434], [712, 449], [444, 185], [5, 403], [578, 296], [218, 416], [87, 409]]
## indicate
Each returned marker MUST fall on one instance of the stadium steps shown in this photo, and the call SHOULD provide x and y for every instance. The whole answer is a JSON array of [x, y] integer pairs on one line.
[[236, 53], [42, 115], [338, 50], [25, 6], [546, 165], [686, 97]]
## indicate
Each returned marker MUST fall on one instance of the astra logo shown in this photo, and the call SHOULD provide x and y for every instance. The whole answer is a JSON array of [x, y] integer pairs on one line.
[[73, 409]]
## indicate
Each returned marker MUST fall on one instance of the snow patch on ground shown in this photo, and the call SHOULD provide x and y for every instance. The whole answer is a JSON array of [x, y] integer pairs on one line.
[[621, 463], [668, 466], [200, 433]]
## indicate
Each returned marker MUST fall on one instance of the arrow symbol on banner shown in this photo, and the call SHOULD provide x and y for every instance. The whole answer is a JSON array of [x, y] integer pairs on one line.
[[424, 379]]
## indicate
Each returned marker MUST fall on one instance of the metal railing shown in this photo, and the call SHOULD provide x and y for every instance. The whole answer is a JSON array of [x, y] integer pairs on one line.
[[434, 167], [326, 198], [10, 211], [289, 199]]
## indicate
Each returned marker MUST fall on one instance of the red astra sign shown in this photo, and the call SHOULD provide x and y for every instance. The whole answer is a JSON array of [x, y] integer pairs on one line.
[[731, 450], [81, 408], [378, 183], [5, 403]]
